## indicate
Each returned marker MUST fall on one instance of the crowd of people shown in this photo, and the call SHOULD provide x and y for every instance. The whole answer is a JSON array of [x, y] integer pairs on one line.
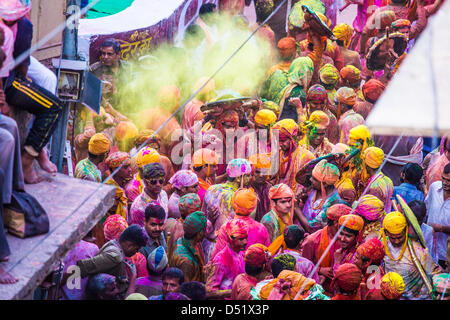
[[305, 204]]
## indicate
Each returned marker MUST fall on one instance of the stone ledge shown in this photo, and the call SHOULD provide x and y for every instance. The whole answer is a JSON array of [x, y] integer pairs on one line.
[[74, 206]]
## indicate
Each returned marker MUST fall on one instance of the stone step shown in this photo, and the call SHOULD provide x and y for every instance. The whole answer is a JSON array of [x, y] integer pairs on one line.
[[74, 206]]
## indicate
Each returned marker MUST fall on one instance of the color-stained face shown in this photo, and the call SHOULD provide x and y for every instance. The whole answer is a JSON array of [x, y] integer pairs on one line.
[[283, 205], [346, 239], [260, 176], [315, 183], [170, 285], [154, 227], [316, 105], [317, 139], [109, 57], [238, 243], [125, 173], [154, 185], [361, 262], [191, 189], [285, 145], [397, 240]]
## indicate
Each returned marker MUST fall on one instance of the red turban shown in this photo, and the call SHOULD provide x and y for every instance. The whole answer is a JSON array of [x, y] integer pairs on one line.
[[286, 47], [338, 210], [236, 228], [373, 89], [256, 255], [372, 249], [351, 74], [348, 277]]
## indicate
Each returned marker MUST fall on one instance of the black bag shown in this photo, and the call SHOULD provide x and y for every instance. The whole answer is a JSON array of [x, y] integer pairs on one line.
[[24, 216], [27, 95]]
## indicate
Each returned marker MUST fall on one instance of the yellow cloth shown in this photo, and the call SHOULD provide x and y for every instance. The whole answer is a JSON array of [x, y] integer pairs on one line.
[[343, 32], [122, 206], [329, 74], [297, 282], [395, 222], [146, 156], [360, 132], [265, 117], [320, 119], [99, 144], [373, 157], [392, 285], [287, 124], [260, 160]]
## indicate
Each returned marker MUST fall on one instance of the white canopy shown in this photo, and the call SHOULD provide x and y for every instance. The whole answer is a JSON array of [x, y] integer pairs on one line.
[[417, 100]]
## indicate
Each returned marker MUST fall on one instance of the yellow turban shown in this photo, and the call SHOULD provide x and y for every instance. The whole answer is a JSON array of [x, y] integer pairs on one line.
[[373, 157], [392, 285], [99, 144], [145, 156], [265, 117], [329, 74], [354, 222], [320, 119], [360, 132], [395, 222], [343, 32]]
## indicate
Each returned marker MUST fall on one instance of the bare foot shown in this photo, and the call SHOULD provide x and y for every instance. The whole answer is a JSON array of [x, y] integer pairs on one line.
[[45, 163], [29, 174], [6, 278]]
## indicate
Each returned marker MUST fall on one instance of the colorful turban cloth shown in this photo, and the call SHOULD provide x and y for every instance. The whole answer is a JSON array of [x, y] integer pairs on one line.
[[372, 249], [370, 208], [329, 74], [116, 159], [12, 10], [256, 255], [317, 93], [373, 89], [236, 228], [153, 170], [272, 106], [441, 283], [392, 285], [373, 157], [136, 296], [204, 156], [280, 191], [400, 23], [113, 227], [99, 144], [358, 133], [288, 261], [194, 223], [354, 222], [326, 172], [146, 156], [238, 167], [125, 130], [157, 260], [395, 222], [149, 135], [351, 74], [265, 117], [287, 47], [346, 95], [288, 128], [343, 32], [244, 201], [260, 160], [183, 178], [189, 203], [348, 277], [336, 211], [319, 119]]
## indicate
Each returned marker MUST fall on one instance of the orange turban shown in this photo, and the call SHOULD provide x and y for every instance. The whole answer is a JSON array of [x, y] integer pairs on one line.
[[354, 222], [256, 255], [286, 47], [373, 157], [236, 228], [260, 160], [244, 201], [280, 191], [346, 95], [326, 172], [348, 277], [351, 74], [125, 130], [338, 210], [372, 249], [400, 23], [99, 144], [372, 90], [204, 156]]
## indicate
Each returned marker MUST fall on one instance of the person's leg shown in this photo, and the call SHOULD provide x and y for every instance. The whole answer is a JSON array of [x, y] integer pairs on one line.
[[10, 158]]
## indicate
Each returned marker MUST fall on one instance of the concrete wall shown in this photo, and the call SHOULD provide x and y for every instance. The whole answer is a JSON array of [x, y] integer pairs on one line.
[[47, 15]]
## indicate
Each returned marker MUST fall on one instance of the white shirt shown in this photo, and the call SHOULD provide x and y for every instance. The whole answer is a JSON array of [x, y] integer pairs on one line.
[[438, 212]]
